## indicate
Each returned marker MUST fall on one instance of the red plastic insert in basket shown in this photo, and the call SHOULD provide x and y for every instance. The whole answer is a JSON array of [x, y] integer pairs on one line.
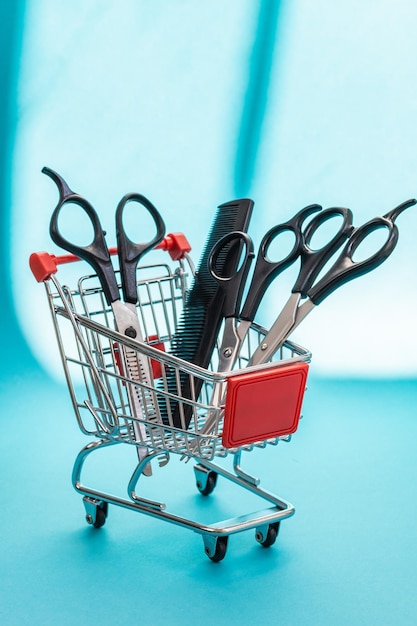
[[264, 404]]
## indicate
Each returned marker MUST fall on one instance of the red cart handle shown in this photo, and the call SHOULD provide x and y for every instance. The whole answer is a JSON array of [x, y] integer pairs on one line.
[[43, 264]]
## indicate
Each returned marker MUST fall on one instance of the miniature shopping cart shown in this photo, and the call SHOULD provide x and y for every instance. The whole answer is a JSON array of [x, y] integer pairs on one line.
[[229, 414]]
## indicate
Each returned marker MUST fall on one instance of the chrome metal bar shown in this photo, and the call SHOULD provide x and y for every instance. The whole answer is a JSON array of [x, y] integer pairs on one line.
[[281, 509]]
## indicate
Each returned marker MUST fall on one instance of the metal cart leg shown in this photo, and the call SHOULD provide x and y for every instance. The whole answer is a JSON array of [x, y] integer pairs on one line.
[[242, 479], [215, 536], [266, 533]]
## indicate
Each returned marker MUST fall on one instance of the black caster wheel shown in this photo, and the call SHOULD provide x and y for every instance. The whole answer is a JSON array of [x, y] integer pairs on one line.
[[206, 480], [96, 512], [100, 518], [268, 538], [217, 551], [208, 488]]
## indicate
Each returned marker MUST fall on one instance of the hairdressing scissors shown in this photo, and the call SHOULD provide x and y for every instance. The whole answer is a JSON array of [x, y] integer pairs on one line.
[[342, 271], [129, 254], [238, 319]]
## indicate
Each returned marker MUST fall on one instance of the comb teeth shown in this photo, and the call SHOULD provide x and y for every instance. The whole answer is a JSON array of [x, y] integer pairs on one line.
[[199, 324], [183, 342]]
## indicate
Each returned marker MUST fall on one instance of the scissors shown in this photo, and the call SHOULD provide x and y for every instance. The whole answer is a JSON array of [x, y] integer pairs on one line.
[[238, 319], [342, 271], [125, 314]]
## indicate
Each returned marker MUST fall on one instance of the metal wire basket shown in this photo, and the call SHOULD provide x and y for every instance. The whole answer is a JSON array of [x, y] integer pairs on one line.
[[221, 422]]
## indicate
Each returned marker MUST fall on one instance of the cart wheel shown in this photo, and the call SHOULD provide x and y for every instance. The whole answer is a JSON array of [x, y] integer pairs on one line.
[[217, 552], [207, 489], [96, 512], [268, 539], [100, 518], [206, 480]]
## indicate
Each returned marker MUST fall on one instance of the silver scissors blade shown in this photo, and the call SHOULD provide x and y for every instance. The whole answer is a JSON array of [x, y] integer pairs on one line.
[[136, 367], [279, 331], [233, 337]]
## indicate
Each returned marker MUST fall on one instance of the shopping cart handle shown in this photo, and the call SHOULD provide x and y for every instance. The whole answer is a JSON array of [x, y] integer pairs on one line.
[[176, 244], [43, 264]]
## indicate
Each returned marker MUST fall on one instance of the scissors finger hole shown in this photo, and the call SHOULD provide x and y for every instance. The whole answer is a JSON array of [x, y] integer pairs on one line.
[[237, 246], [75, 225], [281, 246], [138, 223], [320, 231], [371, 243]]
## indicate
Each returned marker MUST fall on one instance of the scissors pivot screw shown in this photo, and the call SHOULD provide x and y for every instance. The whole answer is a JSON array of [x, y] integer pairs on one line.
[[227, 352], [130, 332], [264, 346]]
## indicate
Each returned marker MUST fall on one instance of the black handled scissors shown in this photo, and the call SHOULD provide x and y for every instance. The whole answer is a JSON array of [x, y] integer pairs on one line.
[[238, 319], [342, 271], [129, 254], [96, 253], [265, 271]]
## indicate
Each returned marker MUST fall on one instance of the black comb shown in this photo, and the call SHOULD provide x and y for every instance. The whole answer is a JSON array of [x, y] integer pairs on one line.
[[202, 315]]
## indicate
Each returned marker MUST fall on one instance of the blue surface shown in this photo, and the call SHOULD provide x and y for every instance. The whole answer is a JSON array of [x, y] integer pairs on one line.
[[347, 556]]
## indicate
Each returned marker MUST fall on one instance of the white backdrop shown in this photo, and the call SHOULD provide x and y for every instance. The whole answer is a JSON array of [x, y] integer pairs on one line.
[[139, 96]]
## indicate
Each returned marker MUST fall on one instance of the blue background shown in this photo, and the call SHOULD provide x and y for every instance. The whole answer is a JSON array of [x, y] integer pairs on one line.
[[192, 105]]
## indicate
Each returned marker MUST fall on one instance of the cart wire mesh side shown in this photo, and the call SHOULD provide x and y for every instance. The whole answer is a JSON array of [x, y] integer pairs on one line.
[[222, 424]]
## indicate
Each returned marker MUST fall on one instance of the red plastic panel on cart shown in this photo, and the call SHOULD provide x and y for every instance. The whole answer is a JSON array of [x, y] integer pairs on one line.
[[263, 404]]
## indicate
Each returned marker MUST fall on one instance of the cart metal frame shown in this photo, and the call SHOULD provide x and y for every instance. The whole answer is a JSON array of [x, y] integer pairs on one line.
[[98, 388]]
